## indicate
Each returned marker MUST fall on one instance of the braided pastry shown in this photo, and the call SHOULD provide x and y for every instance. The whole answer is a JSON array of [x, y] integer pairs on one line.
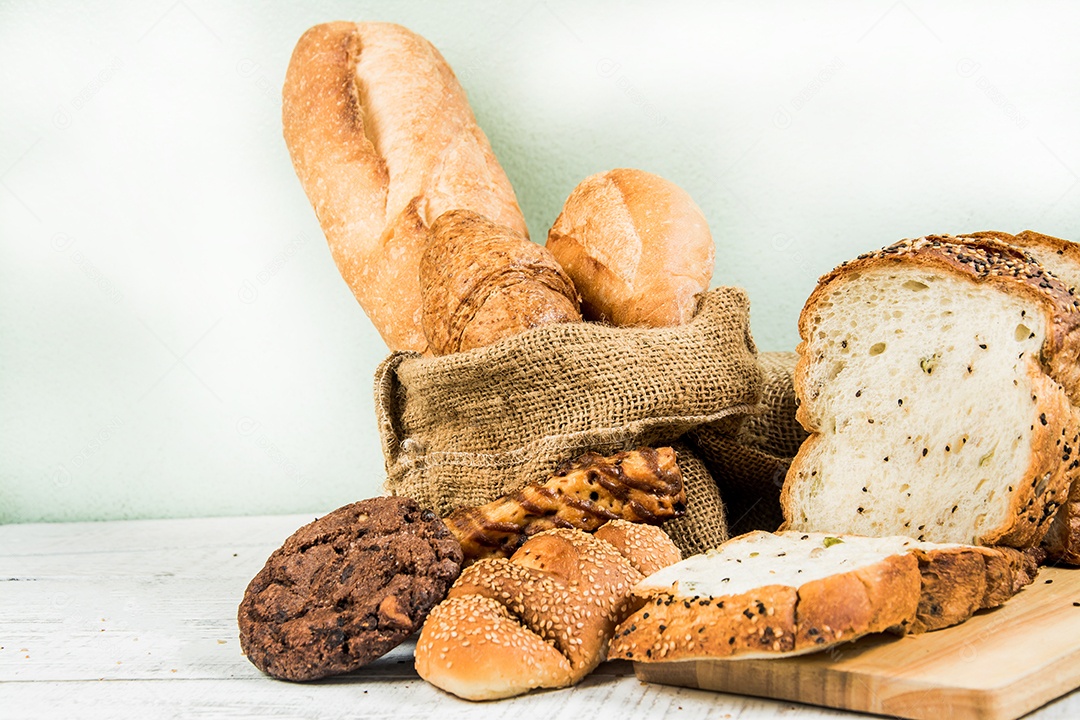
[[642, 485], [542, 618]]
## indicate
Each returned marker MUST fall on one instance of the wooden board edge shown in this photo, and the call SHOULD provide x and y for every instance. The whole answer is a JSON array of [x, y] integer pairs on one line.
[[902, 699]]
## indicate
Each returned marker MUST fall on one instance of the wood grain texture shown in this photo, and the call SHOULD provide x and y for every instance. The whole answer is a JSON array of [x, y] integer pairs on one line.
[[137, 619], [999, 665]]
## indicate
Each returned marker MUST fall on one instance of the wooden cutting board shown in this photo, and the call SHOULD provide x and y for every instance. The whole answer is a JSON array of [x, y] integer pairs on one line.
[[998, 665]]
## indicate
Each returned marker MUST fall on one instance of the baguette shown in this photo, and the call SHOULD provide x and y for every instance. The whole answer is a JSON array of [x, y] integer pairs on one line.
[[383, 140]]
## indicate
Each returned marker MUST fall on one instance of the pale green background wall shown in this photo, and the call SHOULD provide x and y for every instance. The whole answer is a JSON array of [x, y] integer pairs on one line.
[[174, 338]]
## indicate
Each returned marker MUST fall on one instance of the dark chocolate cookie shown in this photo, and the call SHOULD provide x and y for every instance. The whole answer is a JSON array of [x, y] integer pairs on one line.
[[347, 588]]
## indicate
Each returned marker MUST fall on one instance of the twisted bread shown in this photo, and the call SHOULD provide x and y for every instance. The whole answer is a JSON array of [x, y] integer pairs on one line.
[[481, 282], [383, 140], [642, 485], [543, 617]]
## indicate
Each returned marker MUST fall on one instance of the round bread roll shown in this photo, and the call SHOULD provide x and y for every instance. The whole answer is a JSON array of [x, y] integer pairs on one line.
[[636, 246]]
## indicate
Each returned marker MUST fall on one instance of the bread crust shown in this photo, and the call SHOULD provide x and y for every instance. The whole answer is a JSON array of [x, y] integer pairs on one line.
[[636, 246], [643, 485], [773, 619], [980, 260], [983, 259], [958, 582], [565, 588], [916, 590], [494, 655], [1062, 540], [383, 141], [481, 282]]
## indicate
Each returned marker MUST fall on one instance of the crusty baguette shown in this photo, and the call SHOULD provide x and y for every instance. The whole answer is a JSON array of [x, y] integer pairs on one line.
[[383, 141], [636, 246], [934, 377], [642, 485], [481, 282], [773, 595], [541, 618]]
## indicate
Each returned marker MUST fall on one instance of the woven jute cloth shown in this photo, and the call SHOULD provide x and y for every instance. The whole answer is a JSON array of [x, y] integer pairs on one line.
[[465, 428], [749, 462]]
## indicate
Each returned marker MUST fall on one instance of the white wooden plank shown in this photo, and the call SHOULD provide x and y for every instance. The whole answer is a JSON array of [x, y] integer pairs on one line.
[[137, 619], [357, 697], [153, 535]]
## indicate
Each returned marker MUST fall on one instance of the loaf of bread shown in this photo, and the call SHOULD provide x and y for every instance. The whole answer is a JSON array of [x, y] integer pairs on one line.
[[383, 141], [481, 282], [772, 595], [642, 485], [636, 246], [1062, 259], [934, 379], [543, 617]]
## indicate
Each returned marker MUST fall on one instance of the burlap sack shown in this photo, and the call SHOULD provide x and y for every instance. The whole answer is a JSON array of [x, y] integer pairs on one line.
[[465, 428], [749, 464]]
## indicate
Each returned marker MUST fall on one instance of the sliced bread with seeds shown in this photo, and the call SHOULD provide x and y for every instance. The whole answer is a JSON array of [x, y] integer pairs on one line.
[[1062, 259], [778, 594], [935, 378]]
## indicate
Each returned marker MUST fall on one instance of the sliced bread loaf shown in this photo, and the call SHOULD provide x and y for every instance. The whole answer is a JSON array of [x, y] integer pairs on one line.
[[1062, 259], [934, 378], [771, 594]]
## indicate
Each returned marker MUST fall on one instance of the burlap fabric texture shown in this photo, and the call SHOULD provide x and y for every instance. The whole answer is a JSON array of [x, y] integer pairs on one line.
[[749, 464], [465, 428]]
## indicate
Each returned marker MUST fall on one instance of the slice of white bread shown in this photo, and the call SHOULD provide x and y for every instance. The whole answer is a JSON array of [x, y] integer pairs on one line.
[[1062, 259], [774, 594], [933, 377]]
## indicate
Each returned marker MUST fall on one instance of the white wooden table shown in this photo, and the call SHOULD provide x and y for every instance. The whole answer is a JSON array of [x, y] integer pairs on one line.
[[138, 619]]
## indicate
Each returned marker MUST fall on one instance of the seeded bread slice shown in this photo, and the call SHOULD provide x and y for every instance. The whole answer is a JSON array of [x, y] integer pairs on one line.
[[934, 378], [1062, 259], [777, 594]]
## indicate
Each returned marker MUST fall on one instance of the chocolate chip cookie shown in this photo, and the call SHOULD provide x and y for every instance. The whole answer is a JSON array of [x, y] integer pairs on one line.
[[347, 588]]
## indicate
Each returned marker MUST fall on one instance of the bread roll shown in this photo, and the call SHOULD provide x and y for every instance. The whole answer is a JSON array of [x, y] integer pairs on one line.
[[636, 246], [383, 141], [481, 282], [542, 618]]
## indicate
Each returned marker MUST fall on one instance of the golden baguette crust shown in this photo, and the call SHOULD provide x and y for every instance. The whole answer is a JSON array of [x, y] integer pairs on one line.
[[481, 282], [383, 140], [1034, 501], [642, 485], [566, 589]]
